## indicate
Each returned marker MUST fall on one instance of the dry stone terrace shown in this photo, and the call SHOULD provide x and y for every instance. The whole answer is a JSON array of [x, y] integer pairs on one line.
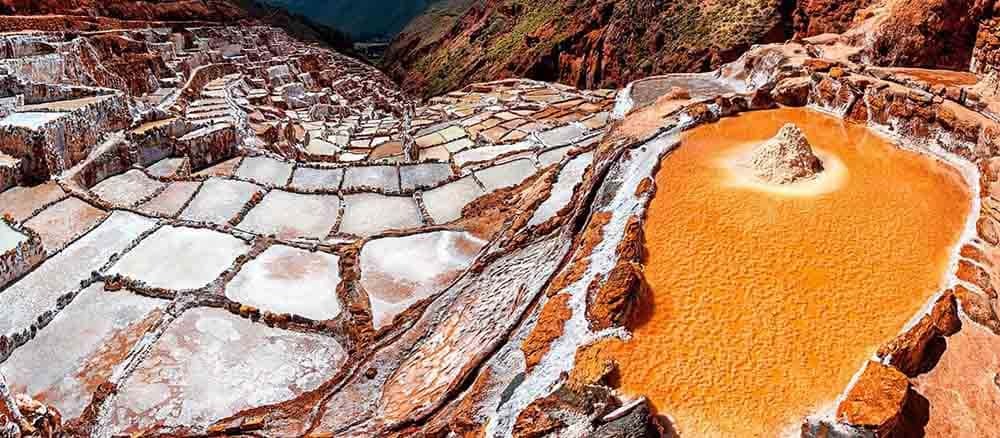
[[241, 214]]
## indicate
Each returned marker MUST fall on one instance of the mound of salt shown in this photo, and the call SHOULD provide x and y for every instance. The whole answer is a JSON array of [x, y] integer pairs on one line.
[[786, 158]]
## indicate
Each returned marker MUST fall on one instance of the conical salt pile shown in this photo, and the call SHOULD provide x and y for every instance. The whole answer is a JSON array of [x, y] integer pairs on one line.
[[786, 158]]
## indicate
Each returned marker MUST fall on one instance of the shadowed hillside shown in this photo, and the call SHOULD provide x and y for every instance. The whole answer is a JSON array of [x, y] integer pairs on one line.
[[362, 20]]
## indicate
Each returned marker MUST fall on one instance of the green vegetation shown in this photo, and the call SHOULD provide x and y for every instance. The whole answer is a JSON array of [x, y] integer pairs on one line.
[[535, 14], [493, 45]]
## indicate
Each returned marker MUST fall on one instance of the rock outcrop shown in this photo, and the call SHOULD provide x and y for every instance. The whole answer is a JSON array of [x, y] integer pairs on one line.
[[786, 158], [814, 17], [603, 43], [925, 33], [917, 350], [876, 400], [588, 44]]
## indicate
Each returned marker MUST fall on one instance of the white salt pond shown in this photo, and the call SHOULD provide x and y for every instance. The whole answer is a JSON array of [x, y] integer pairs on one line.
[[383, 178], [366, 214], [489, 153], [64, 221], [166, 167], [506, 175], [308, 178], [265, 170], [211, 364], [9, 237], [22, 201], [553, 156], [399, 271], [421, 176], [39, 291], [563, 135], [284, 279], [171, 200], [29, 120], [80, 348], [219, 201], [562, 191], [127, 189], [445, 203], [180, 258], [292, 215]]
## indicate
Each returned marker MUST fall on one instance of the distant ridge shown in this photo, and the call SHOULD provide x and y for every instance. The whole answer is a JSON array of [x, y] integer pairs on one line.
[[362, 20]]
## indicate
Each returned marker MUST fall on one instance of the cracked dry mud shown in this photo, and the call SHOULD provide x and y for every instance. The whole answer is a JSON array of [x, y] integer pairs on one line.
[[246, 234]]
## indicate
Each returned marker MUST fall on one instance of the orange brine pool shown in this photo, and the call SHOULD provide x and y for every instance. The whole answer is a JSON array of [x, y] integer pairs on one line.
[[765, 303]]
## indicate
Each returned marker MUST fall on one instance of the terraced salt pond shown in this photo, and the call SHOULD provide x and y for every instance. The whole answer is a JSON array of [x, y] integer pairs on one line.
[[763, 305], [9, 238], [397, 272]]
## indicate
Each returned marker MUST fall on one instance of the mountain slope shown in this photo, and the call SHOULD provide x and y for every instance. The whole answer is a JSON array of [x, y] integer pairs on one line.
[[168, 10], [431, 26], [607, 43], [361, 19], [587, 43], [100, 14]]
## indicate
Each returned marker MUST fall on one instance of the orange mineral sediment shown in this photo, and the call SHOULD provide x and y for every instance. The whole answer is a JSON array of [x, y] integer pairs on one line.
[[766, 302]]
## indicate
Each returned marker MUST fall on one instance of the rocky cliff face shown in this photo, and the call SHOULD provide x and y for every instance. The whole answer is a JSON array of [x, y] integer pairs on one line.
[[814, 17], [924, 33], [588, 43], [603, 43]]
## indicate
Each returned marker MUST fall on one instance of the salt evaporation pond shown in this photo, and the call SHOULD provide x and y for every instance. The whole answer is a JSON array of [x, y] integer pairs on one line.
[[284, 279], [397, 272], [764, 304], [9, 238]]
